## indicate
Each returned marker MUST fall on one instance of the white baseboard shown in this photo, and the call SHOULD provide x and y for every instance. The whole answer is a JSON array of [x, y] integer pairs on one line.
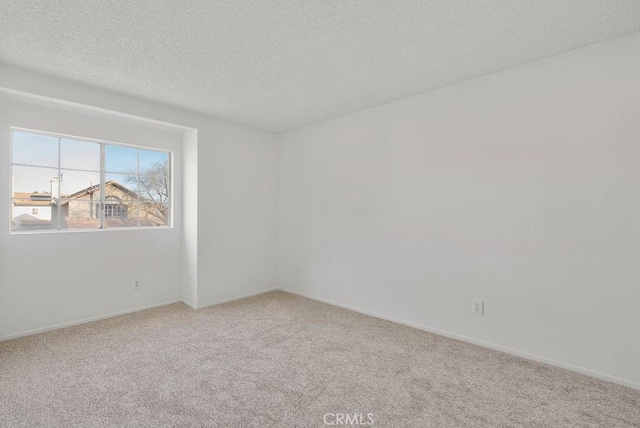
[[231, 299], [571, 367], [128, 311], [529, 356], [191, 305], [84, 321]]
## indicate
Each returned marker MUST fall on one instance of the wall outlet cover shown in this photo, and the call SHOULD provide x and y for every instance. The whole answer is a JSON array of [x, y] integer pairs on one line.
[[477, 307]]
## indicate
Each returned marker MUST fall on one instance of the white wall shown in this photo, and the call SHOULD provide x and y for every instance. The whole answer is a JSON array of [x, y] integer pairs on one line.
[[190, 218], [228, 240], [237, 214], [521, 188], [61, 277]]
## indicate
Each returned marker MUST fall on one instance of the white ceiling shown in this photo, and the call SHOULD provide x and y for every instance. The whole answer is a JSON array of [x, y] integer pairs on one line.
[[282, 64]]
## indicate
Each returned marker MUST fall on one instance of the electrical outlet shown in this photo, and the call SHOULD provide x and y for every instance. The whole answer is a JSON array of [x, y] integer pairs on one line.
[[477, 307], [136, 284]]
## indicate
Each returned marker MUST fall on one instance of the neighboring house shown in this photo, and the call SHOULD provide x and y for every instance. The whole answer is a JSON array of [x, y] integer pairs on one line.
[[81, 210], [24, 204], [31, 211]]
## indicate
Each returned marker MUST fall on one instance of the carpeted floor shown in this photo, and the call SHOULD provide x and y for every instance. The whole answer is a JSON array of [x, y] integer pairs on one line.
[[284, 361]]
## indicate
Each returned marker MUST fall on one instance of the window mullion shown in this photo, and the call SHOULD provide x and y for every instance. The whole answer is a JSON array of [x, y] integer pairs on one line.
[[138, 190], [102, 186], [58, 196], [169, 190]]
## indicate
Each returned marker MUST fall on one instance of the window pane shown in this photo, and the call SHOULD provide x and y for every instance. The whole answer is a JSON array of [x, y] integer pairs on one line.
[[121, 159], [27, 214], [29, 180], [79, 184], [121, 200], [78, 214], [32, 149], [79, 155], [154, 174], [154, 188]]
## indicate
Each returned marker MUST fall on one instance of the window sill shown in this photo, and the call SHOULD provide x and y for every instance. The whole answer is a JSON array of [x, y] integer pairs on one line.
[[110, 229]]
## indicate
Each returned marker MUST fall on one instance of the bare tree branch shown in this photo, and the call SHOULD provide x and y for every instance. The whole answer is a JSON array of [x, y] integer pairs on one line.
[[153, 189]]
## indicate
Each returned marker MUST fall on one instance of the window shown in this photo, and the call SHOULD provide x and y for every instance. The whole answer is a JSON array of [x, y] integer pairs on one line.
[[113, 207], [65, 183]]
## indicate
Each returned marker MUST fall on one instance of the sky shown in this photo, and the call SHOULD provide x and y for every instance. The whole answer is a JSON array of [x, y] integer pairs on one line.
[[79, 163]]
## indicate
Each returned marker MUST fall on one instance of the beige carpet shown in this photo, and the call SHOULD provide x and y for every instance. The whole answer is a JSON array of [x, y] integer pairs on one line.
[[284, 361]]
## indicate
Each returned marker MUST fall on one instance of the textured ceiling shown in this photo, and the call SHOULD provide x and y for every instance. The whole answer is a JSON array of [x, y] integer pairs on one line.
[[282, 64]]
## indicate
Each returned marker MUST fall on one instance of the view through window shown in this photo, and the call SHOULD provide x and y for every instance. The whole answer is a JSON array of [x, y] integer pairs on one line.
[[63, 183]]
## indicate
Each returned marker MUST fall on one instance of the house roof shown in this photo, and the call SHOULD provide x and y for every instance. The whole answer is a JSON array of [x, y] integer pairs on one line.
[[96, 187], [29, 220], [25, 199], [22, 199]]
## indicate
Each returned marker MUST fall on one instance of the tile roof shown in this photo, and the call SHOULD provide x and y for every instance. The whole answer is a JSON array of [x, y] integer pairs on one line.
[[25, 199], [22, 199]]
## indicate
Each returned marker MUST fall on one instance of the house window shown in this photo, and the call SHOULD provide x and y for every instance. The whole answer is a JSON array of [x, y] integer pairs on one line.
[[113, 207], [76, 183]]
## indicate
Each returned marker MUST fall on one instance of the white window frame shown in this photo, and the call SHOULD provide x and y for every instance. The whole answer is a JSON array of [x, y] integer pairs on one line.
[[103, 144]]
